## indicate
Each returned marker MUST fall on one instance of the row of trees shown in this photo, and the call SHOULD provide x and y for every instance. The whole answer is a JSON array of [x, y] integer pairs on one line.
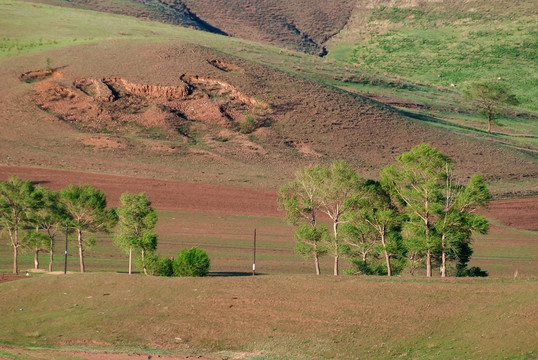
[[32, 216], [418, 212]]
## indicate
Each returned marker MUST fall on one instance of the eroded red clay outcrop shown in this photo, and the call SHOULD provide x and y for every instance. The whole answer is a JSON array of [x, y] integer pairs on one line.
[[164, 92], [193, 105], [221, 88]]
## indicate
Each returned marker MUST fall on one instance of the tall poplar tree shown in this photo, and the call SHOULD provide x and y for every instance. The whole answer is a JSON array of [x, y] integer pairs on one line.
[[339, 185], [417, 180], [374, 209], [137, 221], [50, 217], [299, 199]]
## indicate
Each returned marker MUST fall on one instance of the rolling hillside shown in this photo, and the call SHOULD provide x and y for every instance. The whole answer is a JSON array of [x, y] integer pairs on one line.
[[64, 119]]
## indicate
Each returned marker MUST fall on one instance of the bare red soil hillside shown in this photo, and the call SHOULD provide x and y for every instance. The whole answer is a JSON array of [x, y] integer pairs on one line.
[[176, 112]]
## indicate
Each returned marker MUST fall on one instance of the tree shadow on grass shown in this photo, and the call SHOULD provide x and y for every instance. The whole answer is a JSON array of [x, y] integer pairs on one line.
[[232, 273]]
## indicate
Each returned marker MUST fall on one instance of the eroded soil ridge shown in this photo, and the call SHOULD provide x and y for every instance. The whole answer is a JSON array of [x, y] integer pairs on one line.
[[115, 103]]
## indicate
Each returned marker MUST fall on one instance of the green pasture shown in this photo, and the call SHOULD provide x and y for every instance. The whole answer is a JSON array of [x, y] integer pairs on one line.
[[274, 317], [441, 45], [228, 239]]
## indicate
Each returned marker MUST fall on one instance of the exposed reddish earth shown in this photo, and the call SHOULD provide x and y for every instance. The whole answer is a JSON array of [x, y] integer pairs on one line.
[[521, 213], [9, 277], [129, 114], [164, 195]]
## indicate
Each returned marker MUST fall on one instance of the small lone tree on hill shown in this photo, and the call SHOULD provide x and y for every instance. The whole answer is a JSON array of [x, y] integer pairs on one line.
[[491, 98]]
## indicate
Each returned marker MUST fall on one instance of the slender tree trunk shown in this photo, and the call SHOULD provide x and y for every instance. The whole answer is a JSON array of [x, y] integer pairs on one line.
[[443, 257], [316, 261], [51, 255], [144, 262], [489, 124], [36, 259], [387, 256], [429, 263], [15, 260], [81, 251], [15, 243], [443, 265], [336, 250], [429, 253], [130, 260]]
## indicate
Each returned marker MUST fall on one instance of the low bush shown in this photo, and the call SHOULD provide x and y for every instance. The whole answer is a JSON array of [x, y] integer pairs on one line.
[[193, 262]]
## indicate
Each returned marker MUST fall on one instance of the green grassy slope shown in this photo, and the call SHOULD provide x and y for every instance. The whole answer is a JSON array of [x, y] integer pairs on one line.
[[447, 42], [277, 317]]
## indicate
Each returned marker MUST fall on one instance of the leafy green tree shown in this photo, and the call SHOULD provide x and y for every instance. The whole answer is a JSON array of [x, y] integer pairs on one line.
[[458, 219], [338, 185], [137, 221], [491, 98], [192, 262], [36, 242], [359, 243], [86, 207], [321, 189], [299, 200], [50, 217], [310, 241], [416, 179], [374, 209], [18, 200]]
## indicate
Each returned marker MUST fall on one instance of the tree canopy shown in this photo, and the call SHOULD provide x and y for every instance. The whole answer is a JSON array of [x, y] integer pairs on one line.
[[88, 213], [491, 98], [137, 221]]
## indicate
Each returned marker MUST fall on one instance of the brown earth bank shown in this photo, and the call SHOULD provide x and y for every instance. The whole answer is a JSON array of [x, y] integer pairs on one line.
[[521, 213]]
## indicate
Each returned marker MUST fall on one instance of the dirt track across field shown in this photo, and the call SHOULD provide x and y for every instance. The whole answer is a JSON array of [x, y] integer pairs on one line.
[[191, 197]]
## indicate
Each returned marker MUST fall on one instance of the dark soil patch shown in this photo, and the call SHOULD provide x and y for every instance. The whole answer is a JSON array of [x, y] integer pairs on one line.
[[10, 277]]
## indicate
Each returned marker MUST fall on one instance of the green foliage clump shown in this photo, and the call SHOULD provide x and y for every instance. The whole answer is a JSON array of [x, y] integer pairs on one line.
[[160, 266], [193, 262], [248, 125]]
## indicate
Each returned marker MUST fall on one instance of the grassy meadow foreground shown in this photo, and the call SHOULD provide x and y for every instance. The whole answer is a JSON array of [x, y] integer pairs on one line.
[[286, 312], [268, 317]]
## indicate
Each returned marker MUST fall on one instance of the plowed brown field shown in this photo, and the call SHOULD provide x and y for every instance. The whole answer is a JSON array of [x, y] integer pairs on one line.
[[164, 195], [521, 213]]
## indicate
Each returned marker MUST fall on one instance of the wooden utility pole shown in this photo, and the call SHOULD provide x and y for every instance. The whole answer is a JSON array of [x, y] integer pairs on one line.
[[254, 260]]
